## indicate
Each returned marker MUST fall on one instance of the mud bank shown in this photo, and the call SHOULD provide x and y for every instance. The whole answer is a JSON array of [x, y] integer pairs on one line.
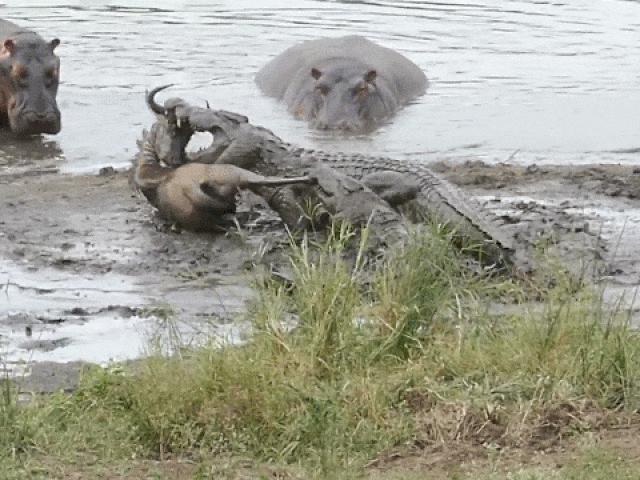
[[610, 180], [591, 212], [602, 200], [89, 273]]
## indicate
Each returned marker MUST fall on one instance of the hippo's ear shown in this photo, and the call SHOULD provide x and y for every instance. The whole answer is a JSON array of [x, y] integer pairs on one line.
[[370, 76], [9, 46], [54, 43], [315, 73]]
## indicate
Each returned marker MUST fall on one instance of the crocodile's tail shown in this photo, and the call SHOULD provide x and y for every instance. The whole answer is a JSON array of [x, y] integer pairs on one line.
[[438, 199]]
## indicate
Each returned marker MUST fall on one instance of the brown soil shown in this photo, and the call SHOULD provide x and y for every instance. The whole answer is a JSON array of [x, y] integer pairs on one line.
[[443, 461], [464, 458]]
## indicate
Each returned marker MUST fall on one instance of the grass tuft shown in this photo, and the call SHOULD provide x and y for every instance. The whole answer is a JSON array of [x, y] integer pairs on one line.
[[353, 362]]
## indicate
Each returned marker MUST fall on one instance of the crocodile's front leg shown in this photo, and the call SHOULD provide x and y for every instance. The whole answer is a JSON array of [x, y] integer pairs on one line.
[[394, 188], [336, 197]]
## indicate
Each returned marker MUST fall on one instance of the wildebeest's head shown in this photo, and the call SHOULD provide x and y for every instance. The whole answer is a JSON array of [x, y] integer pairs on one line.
[[29, 76], [347, 98], [178, 121]]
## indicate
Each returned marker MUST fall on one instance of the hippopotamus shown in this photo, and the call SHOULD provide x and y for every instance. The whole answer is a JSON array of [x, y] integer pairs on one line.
[[345, 83], [29, 76]]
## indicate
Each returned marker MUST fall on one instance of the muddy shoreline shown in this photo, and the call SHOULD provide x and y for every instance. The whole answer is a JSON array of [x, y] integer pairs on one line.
[[85, 253]]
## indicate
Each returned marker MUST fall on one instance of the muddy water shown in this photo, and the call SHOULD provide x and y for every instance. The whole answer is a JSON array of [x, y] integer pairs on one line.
[[48, 314], [555, 81], [41, 318]]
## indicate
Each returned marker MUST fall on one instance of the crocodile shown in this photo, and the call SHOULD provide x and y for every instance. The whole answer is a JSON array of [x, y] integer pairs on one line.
[[238, 142]]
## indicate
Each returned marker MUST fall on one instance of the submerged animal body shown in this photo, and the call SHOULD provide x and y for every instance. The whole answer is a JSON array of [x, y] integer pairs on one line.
[[345, 83], [29, 77], [195, 195]]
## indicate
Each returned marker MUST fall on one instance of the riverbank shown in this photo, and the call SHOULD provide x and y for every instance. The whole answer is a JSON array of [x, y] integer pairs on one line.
[[88, 271], [599, 202], [85, 251]]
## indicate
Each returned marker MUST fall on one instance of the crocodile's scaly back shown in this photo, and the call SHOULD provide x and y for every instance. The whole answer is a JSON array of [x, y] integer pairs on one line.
[[439, 198]]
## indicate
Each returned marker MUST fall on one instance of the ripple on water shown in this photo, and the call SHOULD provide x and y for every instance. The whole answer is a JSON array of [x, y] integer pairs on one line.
[[51, 315], [552, 79], [56, 316]]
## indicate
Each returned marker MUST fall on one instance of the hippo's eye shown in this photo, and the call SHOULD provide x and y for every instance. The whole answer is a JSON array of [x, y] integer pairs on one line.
[[323, 89], [20, 74], [49, 77]]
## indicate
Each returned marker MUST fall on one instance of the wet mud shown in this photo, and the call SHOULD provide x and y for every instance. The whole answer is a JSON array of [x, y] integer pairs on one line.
[[588, 216], [89, 273], [611, 180]]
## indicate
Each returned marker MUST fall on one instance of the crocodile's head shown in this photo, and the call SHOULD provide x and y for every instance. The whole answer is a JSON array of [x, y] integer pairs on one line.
[[178, 121]]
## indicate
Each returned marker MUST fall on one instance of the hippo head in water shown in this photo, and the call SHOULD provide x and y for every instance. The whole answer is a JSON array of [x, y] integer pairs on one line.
[[346, 97], [345, 83], [29, 75]]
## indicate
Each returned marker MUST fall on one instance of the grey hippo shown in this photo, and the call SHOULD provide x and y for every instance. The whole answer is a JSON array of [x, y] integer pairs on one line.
[[345, 83], [29, 76]]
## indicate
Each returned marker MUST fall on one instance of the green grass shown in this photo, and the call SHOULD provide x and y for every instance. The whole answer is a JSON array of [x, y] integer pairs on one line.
[[384, 357]]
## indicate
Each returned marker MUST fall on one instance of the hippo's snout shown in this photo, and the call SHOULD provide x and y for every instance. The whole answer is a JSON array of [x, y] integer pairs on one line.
[[35, 117], [33, 123], [346, 125]]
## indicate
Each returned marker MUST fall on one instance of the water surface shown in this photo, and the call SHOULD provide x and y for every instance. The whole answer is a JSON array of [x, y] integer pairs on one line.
[[530, 80]]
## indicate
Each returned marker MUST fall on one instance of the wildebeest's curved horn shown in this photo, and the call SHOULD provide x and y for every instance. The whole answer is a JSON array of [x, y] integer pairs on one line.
[[151, 101]]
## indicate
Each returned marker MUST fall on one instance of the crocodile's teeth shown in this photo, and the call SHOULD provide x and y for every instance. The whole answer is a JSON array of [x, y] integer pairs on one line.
[[178, 122]]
